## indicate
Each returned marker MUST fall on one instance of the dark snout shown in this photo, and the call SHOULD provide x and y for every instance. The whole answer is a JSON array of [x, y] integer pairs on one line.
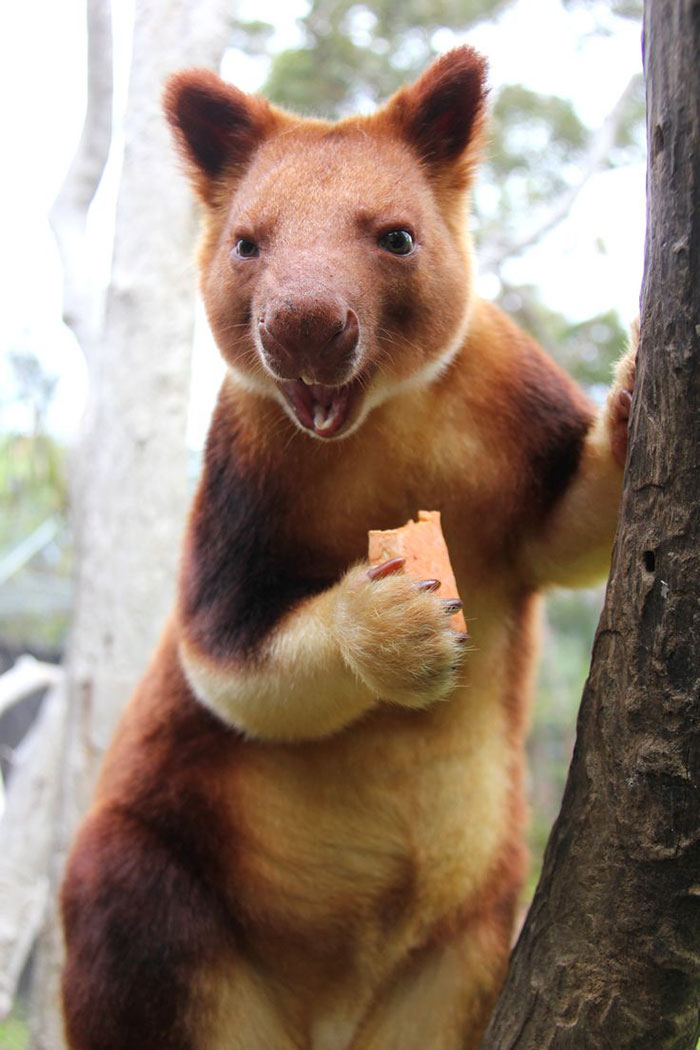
[[309, 338]]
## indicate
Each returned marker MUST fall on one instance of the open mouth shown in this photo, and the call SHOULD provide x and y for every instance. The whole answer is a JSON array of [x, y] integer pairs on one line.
[[322, 410]]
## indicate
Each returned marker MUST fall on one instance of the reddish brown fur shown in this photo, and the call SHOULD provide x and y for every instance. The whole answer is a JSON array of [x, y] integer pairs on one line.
[[313, 867]]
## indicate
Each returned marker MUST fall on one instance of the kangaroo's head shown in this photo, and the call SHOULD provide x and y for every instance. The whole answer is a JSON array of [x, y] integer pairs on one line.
[[335, 263]]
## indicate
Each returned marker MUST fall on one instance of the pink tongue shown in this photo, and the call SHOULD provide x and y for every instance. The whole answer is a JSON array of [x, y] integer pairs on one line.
[[319, 408]]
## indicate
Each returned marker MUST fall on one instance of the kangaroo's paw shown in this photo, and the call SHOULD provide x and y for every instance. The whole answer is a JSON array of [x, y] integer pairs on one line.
[[619, 400], [394, 633]]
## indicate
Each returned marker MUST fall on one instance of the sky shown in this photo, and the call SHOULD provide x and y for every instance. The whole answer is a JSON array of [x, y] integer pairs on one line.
[[42, 98]]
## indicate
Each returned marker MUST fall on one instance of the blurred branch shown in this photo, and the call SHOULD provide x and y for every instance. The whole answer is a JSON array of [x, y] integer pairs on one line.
[[26, 835], [70, 209], [493, 255], [26, 677], [18, 557]]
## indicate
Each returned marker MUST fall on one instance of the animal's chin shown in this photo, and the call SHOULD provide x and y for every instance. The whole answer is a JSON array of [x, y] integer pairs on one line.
[[325, 411]]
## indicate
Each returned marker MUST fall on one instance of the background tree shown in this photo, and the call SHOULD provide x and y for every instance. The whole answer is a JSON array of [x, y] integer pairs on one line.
[[609, 952], [129, 479], [353, 56]]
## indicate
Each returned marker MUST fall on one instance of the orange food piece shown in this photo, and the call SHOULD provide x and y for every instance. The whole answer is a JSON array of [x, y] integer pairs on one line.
[[423, 546]]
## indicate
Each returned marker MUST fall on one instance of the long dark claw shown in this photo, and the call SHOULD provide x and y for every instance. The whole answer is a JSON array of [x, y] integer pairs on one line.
[[427, 585], [387, 568], [451, 606]]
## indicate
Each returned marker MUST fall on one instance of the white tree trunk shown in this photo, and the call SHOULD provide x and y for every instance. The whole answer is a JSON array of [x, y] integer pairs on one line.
[[26, 839], [129, 481], [81, 299]]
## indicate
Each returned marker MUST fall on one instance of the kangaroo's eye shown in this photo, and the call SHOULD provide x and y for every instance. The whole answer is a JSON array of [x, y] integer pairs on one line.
[[398, 242], [245, 249]]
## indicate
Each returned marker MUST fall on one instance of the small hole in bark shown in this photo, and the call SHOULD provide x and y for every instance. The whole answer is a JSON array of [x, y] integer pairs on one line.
[[657, 141], [649, 561]]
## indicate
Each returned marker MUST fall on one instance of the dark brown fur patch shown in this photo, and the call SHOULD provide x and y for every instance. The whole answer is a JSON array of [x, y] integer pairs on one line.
[[217, 127], [550, 418], [140, 923], [241, 573], [144, 898]]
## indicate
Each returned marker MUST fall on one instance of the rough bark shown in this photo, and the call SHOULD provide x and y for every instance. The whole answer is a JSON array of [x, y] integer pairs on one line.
[[129, 487], [610, 953]]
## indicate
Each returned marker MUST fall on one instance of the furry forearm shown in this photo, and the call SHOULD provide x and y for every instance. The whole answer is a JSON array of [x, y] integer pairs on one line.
[[297, 687]]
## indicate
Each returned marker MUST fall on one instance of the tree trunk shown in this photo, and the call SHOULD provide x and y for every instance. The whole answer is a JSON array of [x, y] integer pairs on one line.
[[129, 483], [26, 841], [610, 952]]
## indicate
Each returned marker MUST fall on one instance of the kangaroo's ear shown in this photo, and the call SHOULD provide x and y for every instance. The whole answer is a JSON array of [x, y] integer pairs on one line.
[[217, 127], [442, 115]]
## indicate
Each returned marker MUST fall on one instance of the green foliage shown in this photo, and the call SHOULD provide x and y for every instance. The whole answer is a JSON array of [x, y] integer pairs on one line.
[[34, 597], [569, 623], [621, 8], [14, 1033], [586, 349], [310, 82], [533, 134], [34, 601], [32, 483], [535, 143], [355, 55], [538, 150], [589, 349]]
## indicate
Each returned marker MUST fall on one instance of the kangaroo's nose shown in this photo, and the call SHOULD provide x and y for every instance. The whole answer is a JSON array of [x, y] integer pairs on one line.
[[314, 339]]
